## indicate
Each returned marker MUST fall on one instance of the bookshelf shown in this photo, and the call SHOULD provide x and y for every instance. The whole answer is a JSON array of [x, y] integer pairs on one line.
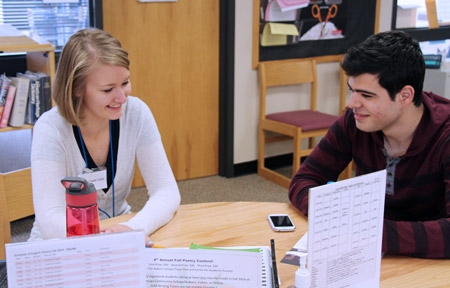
[[40, 56]]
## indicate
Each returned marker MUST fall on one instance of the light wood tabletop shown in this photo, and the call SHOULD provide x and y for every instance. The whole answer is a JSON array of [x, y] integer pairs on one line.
[[222, 224]]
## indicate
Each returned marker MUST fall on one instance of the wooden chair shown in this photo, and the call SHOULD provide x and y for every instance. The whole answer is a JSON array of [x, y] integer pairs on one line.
[[16, 202], [298, 124]]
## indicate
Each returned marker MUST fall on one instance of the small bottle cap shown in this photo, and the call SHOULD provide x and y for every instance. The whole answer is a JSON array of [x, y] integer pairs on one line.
[[79, 192]]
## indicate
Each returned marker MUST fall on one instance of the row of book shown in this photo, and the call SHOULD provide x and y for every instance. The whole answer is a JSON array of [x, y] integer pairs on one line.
[[24, 98]]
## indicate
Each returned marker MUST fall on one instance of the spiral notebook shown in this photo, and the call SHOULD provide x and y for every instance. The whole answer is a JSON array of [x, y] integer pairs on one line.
[[242, 266], [266, 267]]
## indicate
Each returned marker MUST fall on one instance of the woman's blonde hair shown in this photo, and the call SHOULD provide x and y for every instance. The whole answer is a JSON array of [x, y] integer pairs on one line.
[[82, 50]]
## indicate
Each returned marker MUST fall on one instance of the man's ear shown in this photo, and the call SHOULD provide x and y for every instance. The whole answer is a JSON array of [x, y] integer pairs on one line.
[[407, 94]]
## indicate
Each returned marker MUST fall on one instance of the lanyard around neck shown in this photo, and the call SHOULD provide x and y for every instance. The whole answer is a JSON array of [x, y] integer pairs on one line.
[[112, 163]]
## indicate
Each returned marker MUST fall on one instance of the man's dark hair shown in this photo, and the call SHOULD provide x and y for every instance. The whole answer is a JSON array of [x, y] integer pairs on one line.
[[394, 57]]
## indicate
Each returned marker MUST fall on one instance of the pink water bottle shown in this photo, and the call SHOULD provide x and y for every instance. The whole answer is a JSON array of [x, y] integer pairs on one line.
[[81, 208]]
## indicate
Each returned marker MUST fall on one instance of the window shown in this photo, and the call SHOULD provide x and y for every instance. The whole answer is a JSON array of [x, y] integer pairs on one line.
[[411, 16], [413, 13], [53, 20]]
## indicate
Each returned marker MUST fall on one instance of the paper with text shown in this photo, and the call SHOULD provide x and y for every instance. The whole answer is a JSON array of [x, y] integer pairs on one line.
[[183, 268], [345, 229], [274, 13], [102, 260]]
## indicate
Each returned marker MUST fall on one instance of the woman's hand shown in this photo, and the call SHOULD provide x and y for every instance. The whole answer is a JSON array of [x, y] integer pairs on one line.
[[116, 228], [124, 228]]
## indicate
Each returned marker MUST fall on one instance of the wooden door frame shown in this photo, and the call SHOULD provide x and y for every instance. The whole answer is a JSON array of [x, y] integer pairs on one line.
[[226, 79]]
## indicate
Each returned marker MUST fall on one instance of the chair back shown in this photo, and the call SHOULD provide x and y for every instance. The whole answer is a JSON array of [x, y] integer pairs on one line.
[[287, 72], [16, 202]]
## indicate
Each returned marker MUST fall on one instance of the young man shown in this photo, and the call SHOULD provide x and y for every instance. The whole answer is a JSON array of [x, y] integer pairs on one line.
[[391, 124]]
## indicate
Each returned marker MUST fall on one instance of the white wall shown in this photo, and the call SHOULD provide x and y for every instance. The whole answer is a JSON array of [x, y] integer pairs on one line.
[[246, 97]]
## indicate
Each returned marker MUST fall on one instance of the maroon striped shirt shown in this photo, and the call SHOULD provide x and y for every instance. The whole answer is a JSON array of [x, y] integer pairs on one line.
[[417, 215]]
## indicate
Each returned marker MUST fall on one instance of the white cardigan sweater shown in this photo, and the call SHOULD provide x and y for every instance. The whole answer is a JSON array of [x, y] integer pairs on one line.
[[55, 154]]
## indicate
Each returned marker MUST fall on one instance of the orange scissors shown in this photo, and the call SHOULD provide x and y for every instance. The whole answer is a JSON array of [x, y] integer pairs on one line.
[[332, 11]]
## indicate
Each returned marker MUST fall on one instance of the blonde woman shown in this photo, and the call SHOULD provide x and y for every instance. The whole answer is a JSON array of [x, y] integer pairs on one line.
[[97, 128]]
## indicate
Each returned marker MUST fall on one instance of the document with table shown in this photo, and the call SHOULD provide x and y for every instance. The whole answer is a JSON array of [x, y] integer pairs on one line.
[[120, 260], [345, 229], [113, 259]]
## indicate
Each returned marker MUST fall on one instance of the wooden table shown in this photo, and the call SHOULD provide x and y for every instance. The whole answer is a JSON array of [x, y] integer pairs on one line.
[[245, 223]]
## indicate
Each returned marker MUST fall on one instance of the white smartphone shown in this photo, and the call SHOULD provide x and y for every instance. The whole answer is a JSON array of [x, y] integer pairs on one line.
[[281, 222]]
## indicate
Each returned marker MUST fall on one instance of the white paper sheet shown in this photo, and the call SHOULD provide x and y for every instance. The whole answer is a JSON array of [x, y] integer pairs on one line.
[[185, 268], [274, 13], [7, 30], [102, 260], [345, 229], [120, 260], [302, 244]]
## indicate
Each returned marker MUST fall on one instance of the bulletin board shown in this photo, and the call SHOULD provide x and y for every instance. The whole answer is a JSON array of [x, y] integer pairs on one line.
[[349, 23]]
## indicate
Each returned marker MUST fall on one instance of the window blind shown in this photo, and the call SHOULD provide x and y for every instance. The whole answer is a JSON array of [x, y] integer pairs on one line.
[[55, 22]]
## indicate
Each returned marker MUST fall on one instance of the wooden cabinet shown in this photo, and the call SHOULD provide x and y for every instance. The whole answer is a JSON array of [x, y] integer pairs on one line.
[[15, 186], [174, 53]]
